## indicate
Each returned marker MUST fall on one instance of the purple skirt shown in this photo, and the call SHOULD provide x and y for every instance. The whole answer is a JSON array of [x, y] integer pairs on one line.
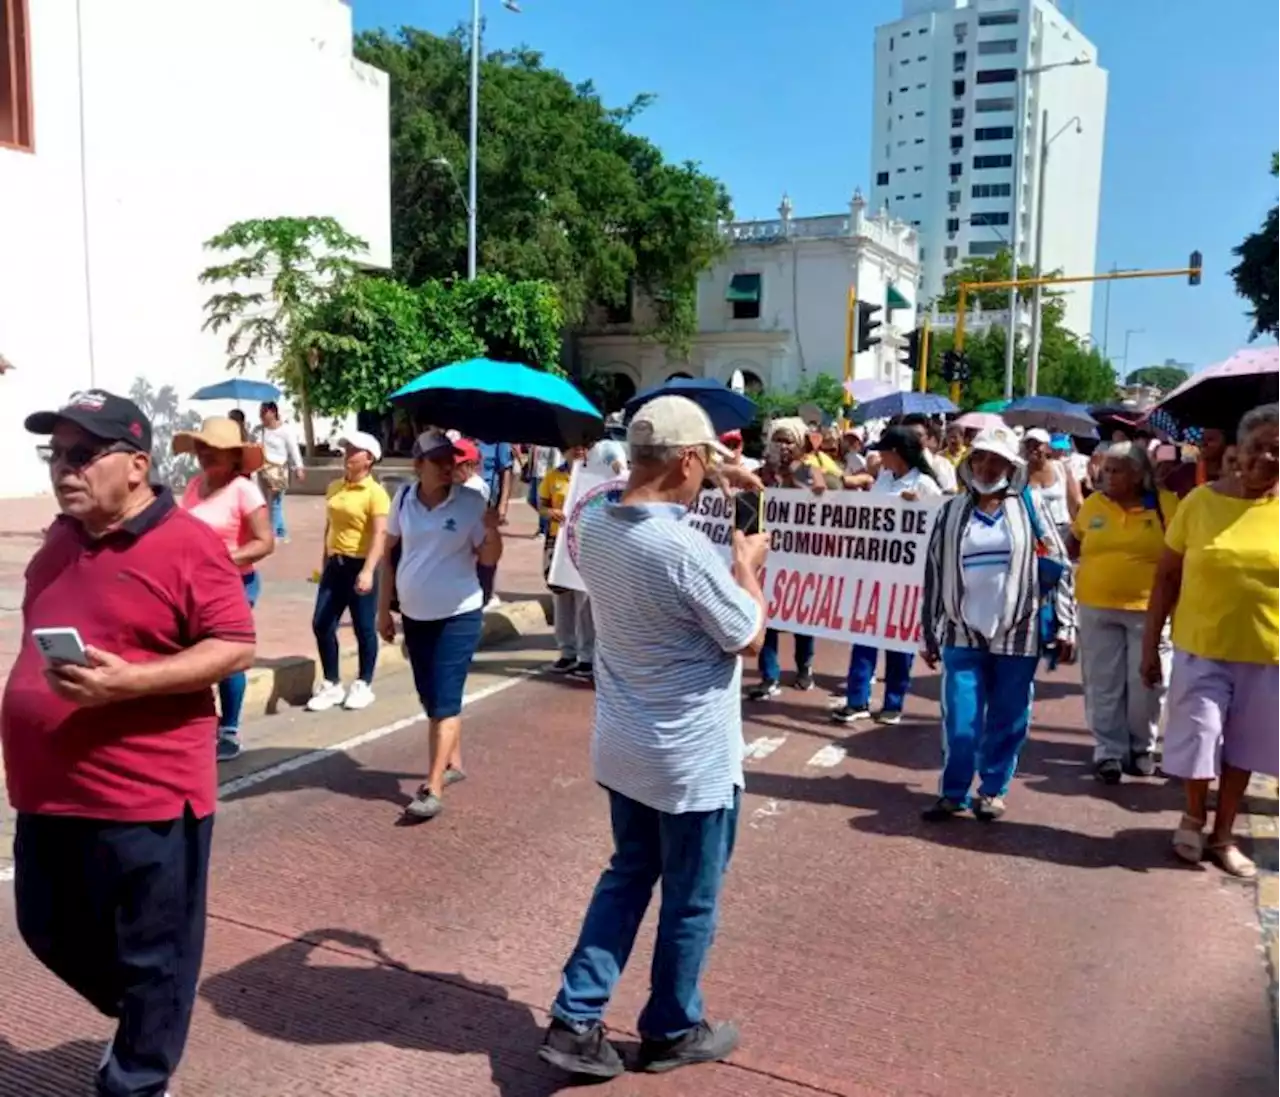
[[1220, 712]]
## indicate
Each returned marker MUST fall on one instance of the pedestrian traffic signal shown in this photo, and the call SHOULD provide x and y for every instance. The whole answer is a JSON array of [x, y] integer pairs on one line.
[[955, 367], [867, 324], [948, 366], [911, 346], [1193, 279]]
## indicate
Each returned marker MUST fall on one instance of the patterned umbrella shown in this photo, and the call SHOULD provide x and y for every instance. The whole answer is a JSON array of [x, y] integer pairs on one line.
[[1218, 396]]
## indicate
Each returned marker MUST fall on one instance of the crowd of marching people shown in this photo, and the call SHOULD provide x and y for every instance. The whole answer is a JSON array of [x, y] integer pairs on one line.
[[1155, 565]]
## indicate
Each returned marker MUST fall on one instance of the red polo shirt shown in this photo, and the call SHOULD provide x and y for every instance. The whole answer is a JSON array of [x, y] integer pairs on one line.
[[160, 584]]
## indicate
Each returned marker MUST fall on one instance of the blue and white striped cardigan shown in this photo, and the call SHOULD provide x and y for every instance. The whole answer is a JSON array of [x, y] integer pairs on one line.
[[942, 622]]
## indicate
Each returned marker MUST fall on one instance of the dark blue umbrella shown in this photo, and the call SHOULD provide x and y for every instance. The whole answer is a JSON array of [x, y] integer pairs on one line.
[[502, 402], [238, 388], [905, 403], [727, 410], [1054, 414]]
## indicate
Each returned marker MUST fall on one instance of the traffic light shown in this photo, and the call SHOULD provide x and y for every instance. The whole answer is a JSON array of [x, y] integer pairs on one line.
[[955, 367], [962, 368], [1193, 279], [867, 324], [912, 347]]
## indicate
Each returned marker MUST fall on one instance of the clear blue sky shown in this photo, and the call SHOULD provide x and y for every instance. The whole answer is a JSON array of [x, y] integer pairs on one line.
[[774, 95]]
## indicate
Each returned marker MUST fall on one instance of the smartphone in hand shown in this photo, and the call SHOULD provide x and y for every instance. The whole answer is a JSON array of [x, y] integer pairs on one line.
[[60, 645], [748, 512]]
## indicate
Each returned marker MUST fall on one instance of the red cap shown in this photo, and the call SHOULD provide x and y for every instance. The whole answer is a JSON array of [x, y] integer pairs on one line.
[[465, 450], [731, 436]]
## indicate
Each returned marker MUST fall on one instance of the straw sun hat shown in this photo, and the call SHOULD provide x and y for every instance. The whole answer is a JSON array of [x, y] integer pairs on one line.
[[220, 433]]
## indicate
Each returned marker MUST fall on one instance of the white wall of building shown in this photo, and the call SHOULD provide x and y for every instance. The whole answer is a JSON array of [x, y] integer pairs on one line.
[[806, 266], [194, 116], [918, 119]]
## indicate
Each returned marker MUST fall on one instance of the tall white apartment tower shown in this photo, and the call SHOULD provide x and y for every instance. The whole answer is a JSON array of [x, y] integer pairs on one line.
[[942, 153]]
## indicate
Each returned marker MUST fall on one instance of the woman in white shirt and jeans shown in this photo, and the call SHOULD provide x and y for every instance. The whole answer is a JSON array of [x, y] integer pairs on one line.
[[905, 472], [443, 530]]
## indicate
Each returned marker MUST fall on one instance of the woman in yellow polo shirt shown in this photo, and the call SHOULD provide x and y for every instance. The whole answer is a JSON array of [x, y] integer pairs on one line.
[[575, 630], [1118, 537], [1220, 568], [355, 534]]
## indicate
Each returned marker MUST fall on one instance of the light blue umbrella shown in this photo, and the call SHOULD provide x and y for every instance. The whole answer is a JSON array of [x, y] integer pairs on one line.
[[238, 388], [1054, 414], [502, 402], [904, 403]]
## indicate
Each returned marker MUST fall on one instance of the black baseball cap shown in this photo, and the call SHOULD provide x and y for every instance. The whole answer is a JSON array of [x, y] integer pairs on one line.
[[100, 413]]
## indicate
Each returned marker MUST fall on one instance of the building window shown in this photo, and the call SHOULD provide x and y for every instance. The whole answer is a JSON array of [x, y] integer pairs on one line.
[[957, 142], [900, 171], [989, 219], [899, 197], [620, 313], [961, 32], [890, 98], [993, 133], [917, 196], [992, 190], [919, 140], [956, 169], [890, 45], [951, 253], [987, 247], [922, 30], [990, 106], [958, 60], [1003, 45], [15, 76], [919, 87], [957, 116], [902, 144], [953, 197], [743, 296], [906, 61], [903, 91], [923, 253], [957, 88], [919, 114], [998, 19], [1001, 161], [918, 167], [922, 60], [882, 179], [997, 76], [953, 224]]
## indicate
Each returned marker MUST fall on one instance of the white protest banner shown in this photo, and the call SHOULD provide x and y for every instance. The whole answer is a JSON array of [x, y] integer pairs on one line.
[[844, 565]]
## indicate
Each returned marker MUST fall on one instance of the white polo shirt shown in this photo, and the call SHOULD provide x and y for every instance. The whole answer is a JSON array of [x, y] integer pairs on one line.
[[436, 577]]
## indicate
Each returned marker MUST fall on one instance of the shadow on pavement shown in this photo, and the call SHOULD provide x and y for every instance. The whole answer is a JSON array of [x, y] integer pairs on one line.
[[321, 989], [49, 1072], [339, 773]]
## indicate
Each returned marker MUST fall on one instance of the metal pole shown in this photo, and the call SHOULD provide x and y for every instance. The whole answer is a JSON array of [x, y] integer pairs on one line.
[[957, 343], [924, 356], [475, 130], [850, 312], [1018, 121], [1033, 356], [1106, 314]]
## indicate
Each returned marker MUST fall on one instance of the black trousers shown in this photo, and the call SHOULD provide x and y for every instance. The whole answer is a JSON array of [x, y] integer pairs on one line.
[[117, 912]]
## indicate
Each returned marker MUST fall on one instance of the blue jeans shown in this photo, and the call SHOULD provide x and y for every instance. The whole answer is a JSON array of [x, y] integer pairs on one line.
[[689, 854], [440, 654], [986, 711], [770, 668], [337, 594], [275, 511], [231, 689], [862, 669], [544, 524]]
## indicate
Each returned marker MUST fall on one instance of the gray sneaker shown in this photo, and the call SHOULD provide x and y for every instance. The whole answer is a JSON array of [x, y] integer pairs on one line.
[[710, 1042], [425, 805], [988, 808]]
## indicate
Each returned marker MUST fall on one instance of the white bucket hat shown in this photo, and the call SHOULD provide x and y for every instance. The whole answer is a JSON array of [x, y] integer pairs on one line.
[[1002, 442]]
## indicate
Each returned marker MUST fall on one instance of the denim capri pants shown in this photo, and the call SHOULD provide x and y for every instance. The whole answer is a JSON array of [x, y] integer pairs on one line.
[[440, 654]]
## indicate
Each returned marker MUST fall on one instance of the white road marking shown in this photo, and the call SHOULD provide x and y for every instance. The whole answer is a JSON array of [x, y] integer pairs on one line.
[[759, 749], [768, 810], [828, 757]]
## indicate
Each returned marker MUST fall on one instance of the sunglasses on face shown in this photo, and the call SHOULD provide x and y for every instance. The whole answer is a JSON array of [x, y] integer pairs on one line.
[[78, 456]]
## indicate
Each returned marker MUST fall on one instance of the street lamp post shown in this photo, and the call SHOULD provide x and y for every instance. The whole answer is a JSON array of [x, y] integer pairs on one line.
[[1033, 356], [474, 133], [1019, 107], [1127, 333]]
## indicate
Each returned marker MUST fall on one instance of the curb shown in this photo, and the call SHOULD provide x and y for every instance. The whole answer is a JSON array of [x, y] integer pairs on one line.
[[1260, 806], [291, 678]]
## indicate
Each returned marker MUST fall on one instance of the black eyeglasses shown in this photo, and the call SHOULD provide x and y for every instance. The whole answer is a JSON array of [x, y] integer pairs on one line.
[[80, 455]]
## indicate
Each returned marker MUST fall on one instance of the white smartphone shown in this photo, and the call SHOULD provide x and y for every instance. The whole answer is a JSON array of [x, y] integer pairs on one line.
[[60, 645]]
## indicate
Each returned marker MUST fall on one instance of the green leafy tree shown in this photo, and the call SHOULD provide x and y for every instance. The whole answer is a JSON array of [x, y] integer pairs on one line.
[[280, 271], [378, 334], [567, 194], [1255, 275], [991, 268], [1165, 378]]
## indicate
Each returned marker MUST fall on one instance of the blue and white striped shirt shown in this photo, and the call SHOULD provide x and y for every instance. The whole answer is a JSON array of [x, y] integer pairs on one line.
[[669, 619]]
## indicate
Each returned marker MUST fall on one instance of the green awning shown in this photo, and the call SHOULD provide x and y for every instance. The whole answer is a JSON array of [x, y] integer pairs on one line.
[[895, 300], [743, 287]]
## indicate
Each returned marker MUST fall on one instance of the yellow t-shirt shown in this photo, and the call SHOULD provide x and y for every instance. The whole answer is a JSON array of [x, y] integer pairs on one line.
[[1229, 606], [350, 510], [1119, 551], [825, 464], [552, 489]]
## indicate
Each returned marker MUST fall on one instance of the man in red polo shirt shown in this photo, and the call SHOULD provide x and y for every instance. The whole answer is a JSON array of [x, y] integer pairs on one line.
[[110, 766]]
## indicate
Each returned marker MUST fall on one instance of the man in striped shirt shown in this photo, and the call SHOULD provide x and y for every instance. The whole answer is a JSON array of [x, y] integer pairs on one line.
[[671, 621]]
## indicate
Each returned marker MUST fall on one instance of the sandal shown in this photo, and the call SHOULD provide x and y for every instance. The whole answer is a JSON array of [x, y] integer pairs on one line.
[[1188, 840], [1232, 861]]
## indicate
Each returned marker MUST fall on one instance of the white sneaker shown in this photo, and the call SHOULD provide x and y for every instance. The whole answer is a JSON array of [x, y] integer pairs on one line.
[[359, 695], [327, 695]]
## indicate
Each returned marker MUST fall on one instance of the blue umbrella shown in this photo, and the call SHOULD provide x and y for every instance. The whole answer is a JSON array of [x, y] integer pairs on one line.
[[728, 410], [502, 402], [1054, 414], [905, 403], [238, 388]]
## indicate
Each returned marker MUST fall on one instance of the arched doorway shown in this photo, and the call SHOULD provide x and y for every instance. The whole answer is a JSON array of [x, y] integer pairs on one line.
[[680, 373], [618, 389], [752, 383]]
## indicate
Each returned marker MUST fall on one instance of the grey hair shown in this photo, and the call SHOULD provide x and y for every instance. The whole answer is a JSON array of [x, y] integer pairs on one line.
[[1136, 455], [656, 455], [1265, 415]]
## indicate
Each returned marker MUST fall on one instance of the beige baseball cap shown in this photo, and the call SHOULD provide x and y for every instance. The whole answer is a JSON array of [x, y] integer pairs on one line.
[[673, 421]]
